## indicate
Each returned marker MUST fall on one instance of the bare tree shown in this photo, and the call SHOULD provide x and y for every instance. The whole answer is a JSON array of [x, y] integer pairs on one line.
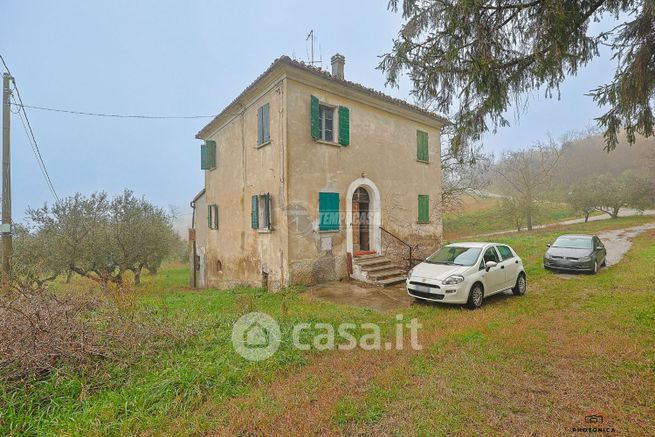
[[462, 173], [525, 174]]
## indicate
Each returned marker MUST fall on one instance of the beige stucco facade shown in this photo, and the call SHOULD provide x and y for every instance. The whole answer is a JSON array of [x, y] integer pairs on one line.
[[294, 168]]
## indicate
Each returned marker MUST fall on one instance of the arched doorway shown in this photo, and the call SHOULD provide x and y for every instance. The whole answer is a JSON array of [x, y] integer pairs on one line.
[[363, 217], [361, 220]]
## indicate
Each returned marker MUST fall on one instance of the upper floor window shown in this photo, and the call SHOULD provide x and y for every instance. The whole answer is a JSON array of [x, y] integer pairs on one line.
[[329, 125], [263, 125], [208, 155], [422, 153], [326, 122]]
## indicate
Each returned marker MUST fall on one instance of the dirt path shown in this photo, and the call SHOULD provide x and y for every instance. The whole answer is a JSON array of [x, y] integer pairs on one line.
[[619, 241]]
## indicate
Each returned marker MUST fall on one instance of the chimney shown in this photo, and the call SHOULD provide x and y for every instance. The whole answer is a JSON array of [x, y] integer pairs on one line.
[[338, 61]]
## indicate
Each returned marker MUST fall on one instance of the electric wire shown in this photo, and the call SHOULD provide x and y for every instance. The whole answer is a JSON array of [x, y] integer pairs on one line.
[[102, 114]]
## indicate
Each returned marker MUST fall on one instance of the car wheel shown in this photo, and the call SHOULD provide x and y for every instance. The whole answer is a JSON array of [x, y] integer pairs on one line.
[[595, 268], [520, 286], [475, 297], [604, 263]]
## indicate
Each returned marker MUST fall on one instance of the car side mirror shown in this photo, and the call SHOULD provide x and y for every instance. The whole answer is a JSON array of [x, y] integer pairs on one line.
[[599, 248], [489, 264]]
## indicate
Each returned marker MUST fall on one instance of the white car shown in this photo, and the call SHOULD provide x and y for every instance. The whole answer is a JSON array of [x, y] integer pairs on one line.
[[465, 273]]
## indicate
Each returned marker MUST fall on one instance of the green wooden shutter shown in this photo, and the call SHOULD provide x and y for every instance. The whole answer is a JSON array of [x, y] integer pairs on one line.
[[315, 127], [260, 125], [423, 208], [254, 212], [328, 209], [209, 216], [211, 154], [204, 161], [344, 126], [266, 123], [422, 146]]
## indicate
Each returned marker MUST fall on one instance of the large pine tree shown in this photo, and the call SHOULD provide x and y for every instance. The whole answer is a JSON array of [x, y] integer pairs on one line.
[[476, 58]]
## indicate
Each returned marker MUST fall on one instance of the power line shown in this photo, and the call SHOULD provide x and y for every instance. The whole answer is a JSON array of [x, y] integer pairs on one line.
[[101, 114], [37, 155], [30, 133]]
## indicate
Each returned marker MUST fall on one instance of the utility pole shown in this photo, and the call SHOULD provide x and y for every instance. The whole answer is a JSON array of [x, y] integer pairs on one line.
[[6, 183]]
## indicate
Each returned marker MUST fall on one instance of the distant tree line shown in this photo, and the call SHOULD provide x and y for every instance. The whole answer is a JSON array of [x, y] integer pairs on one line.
[[573, 170]]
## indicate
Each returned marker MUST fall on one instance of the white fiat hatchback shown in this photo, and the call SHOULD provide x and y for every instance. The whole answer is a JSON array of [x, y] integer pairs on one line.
[[465, 273]]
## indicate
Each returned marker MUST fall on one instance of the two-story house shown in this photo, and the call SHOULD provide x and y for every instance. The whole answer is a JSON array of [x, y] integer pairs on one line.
[[311, 178]]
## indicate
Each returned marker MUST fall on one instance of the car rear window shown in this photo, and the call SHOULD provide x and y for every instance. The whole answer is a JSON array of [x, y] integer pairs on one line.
[[505, 252]]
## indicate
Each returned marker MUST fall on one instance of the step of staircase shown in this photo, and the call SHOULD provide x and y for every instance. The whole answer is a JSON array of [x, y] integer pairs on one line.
[[379, 270], [383, 274], [372, 261], [391, 281]]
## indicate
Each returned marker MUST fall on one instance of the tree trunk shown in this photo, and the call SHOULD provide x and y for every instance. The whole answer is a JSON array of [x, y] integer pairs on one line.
[[529, 217], [615, 212], [137, 276], [586, 217]]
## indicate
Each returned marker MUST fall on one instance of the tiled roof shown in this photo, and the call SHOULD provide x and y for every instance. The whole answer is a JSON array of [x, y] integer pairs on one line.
[[327, 76]]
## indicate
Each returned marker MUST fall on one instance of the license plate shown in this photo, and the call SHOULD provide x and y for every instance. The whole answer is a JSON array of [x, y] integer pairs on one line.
[[423, 289]]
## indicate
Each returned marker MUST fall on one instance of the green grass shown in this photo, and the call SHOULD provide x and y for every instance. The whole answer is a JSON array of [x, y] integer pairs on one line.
[[491, 219], [511, 346]]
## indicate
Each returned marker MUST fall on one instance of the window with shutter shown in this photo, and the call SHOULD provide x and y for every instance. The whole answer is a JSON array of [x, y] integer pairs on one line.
[[328, 210], [326, 123], [263, 125], [261, 213], [422, 152], [344, 126], [423, 208]]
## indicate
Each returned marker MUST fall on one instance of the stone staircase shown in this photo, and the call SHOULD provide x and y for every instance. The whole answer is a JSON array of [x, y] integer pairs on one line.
[[377, 269]]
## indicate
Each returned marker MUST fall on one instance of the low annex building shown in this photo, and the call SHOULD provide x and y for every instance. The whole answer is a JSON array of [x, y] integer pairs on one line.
[[304, 172]]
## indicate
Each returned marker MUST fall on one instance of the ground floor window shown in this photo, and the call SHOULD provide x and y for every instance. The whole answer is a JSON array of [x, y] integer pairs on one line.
[[260, 214], [212, 216], [423, 208], [328, 211]]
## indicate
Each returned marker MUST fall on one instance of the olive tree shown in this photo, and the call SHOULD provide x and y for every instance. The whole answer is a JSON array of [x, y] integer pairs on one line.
[[626, 191], [102, 239]]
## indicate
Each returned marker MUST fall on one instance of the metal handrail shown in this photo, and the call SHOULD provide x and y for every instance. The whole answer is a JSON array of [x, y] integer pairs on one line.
[[409, 246]]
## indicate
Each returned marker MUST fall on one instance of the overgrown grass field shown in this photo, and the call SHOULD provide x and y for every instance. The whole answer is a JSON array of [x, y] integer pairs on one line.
[[485, 216], [521, 365]]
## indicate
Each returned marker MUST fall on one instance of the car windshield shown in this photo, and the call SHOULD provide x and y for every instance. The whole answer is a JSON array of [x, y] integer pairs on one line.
[[573, 242], [455, 255]]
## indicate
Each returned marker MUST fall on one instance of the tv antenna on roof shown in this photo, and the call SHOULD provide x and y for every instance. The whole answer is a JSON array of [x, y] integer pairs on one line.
[[311, 36]]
